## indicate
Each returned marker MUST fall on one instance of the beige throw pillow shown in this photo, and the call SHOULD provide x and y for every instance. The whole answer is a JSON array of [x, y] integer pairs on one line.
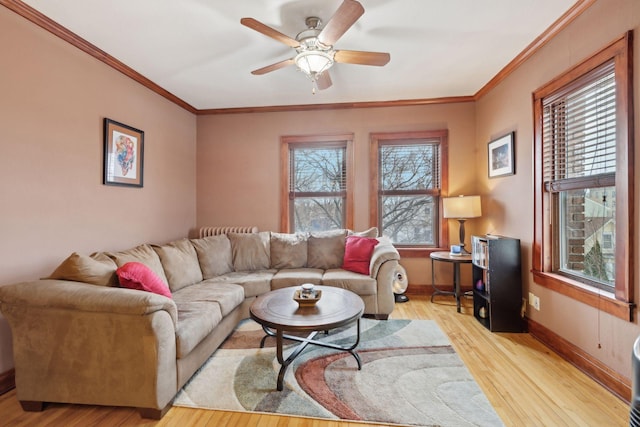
[[96, 269], [326, 250], [180, 263], [371, 232], [288, 250], [143, 254], [214, 255], [250, 251]]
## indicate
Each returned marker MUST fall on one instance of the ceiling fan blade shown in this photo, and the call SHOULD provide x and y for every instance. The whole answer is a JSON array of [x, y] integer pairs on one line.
[[272, 67], [363, 58], [268, 31], [324, 80], [346, 15]]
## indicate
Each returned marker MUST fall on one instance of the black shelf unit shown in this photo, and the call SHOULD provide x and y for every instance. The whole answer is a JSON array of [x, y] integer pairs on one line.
[[497, 283]]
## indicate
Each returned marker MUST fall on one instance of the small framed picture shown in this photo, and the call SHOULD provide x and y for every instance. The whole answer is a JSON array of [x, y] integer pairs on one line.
[[502, 156], [123, 154]]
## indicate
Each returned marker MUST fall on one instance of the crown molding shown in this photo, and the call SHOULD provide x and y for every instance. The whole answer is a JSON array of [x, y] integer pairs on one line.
[[338, 106]]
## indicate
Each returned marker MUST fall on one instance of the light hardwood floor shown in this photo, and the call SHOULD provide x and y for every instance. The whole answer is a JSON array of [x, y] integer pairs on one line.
[[527, 384]]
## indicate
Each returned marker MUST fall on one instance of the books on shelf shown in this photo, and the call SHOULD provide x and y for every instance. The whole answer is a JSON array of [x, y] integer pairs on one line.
[[480, 251]]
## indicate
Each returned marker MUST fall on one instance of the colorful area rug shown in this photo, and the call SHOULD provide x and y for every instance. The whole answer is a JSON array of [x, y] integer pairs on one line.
[[410, 376]]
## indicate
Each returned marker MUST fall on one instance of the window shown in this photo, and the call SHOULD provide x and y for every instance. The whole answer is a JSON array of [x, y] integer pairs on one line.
[[584, 170], [316, 183], [407, 182]]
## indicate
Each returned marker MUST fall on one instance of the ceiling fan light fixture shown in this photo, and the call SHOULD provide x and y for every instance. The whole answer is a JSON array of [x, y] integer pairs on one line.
[[314, 45], [314, 62]]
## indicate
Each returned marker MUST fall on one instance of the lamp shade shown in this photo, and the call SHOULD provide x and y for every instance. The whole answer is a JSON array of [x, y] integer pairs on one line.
[[461, 207]]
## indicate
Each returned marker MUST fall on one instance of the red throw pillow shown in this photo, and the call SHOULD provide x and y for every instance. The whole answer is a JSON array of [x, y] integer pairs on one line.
[[357, 254], [135, 275]]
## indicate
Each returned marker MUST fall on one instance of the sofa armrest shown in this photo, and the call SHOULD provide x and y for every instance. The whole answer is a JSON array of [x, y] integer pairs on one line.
[[383, 252], [87, 344], [382, 267], [80, 296]]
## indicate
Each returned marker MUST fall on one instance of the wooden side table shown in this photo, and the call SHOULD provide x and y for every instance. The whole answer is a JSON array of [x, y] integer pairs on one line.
[[456, 260]]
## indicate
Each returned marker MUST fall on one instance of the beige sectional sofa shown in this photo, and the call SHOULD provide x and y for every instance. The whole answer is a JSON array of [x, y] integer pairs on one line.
[[79, 337]]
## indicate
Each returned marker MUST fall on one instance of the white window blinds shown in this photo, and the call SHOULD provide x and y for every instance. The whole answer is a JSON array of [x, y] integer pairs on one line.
[[579, 133], [409, 168], [317, 171]]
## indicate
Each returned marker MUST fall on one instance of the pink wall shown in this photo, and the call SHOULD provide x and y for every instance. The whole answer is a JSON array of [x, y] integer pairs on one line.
[[53, 98], [52, 202], [238, 162], [510, 199]]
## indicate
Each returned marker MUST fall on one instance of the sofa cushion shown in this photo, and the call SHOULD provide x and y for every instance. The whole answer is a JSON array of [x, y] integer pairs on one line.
[[326, 249], [180, 263], [143, 254], [288, 250], [250, 251], [296, 277], [371, 232], [196, 320], [357, 254], [227, 295], [135, 275], [201, 307], [254, 282], [96, 269], [358, 283], [214, 255]]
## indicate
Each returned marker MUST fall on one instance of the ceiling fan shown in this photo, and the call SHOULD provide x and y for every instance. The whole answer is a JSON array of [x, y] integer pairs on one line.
[[314, 46]]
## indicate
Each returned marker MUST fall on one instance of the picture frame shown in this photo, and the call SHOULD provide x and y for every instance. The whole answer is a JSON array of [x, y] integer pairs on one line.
[[123, 154], [502, 156]]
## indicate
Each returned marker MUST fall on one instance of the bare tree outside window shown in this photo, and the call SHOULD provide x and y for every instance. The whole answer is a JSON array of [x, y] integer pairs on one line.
[[407, 174], [406, 186], [318, 188], [317, 182]]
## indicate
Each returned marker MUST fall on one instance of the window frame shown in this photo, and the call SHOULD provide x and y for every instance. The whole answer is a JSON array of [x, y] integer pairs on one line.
[[314, 141], [392, 138], [620, 302]]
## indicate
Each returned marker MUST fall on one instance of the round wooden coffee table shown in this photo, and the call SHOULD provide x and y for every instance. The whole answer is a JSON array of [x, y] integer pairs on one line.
[[278, 312]]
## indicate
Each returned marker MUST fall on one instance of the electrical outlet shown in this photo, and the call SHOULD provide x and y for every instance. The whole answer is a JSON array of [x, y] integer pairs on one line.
[[532, 297], [536, 303]]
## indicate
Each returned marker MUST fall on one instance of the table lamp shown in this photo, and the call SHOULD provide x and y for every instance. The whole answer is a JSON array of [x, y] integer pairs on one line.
[[461, 208]]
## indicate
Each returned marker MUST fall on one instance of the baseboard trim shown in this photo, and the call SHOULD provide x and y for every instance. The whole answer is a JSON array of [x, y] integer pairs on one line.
[[595, 369], [7, 381]]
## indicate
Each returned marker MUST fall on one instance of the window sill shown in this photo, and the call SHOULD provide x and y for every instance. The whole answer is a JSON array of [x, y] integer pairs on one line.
[[597, 298]]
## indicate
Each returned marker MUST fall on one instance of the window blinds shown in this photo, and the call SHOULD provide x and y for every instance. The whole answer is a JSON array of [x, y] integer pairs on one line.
[[579, 133], [409, 167], [317, 171]]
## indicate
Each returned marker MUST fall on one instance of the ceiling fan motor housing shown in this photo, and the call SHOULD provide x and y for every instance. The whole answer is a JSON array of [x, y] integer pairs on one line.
[[309, 38]]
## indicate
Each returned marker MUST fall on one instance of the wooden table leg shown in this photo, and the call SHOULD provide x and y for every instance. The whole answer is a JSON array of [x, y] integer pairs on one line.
[[456, 284]]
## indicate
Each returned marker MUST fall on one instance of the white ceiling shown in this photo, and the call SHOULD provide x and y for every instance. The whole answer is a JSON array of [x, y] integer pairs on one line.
[[199, 51]]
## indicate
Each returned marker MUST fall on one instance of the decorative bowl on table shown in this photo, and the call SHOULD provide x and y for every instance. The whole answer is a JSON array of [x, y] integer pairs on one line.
[[307, 296]]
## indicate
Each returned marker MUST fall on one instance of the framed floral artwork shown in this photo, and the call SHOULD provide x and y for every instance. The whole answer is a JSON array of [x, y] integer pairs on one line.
[[123, 154]]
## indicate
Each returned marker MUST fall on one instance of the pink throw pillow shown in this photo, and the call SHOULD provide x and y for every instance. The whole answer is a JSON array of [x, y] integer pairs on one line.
[[357, 254], [135, 275]]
